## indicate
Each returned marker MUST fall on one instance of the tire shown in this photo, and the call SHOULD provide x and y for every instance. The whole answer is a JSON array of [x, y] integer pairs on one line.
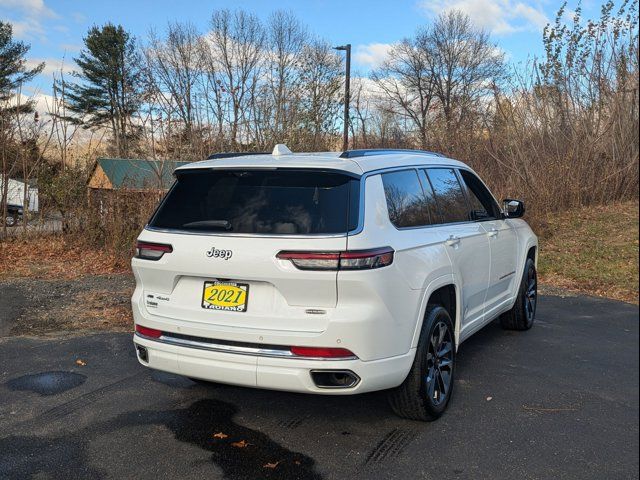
[[523, 313], [425, 393]]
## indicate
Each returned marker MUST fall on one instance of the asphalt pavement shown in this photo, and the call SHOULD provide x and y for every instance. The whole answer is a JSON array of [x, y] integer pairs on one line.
[[558, 401]]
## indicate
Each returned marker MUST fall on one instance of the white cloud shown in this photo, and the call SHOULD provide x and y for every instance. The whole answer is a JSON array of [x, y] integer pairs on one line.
[[28, 16], [500, 17], [43, 103], [26, 28], [52, 65], [372, 55], [33, 8], [533, 16]]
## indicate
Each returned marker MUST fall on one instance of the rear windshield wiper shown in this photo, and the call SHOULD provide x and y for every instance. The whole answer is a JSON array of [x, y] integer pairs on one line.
[[222, 224]]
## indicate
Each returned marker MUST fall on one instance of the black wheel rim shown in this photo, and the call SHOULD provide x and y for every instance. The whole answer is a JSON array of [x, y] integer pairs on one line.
[[439, 364], [531, 294]]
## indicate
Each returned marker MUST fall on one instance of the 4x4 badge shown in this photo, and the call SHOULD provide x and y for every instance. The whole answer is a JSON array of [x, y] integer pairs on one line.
[[215, 253]]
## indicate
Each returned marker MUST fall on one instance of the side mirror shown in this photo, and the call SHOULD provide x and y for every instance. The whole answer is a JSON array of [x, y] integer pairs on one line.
[[513, 208]]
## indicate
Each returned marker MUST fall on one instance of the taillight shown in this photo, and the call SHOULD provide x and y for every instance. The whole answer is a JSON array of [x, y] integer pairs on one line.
[[148, 332], [349, 260], [366, 259], [322, 352], [152, 251], [312, 260]]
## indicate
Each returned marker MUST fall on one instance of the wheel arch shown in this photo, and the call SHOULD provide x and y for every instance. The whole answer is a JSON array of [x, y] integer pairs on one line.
[[443, 291]]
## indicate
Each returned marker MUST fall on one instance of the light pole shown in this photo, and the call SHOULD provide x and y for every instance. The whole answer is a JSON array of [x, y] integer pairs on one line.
[[345, 136]]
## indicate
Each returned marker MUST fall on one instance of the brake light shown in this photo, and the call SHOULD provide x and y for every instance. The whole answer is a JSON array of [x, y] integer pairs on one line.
[[148, 332], [152, 251], [322, 352], [349, 260]]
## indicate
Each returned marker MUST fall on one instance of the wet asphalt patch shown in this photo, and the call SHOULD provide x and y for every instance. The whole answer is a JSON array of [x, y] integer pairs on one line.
[[47, 383], [241, 452]]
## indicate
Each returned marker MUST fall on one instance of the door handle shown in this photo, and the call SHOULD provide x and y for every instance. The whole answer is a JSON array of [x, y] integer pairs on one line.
[[493, 232], [453, 240]]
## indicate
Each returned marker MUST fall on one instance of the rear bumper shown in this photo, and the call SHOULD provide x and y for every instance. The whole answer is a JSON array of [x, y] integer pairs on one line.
[[290, 374]]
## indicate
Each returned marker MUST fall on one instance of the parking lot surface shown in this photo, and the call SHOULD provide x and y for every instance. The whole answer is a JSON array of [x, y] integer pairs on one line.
[[559, 401]]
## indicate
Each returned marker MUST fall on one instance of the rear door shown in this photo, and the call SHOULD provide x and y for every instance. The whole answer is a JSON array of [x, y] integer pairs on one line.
[[226, 227]]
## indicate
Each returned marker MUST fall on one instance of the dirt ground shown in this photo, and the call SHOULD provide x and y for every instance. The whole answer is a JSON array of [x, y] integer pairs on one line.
[[39, 306]]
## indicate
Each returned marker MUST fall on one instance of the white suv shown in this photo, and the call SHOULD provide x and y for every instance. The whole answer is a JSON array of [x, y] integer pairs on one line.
[[329, 273]]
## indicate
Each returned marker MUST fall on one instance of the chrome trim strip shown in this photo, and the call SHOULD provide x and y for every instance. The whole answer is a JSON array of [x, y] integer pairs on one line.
[[426, 165], [507, 275], [240, 350]]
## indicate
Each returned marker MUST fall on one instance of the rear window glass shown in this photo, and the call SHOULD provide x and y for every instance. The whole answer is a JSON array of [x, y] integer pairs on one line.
[[281, 202], [406, 202]]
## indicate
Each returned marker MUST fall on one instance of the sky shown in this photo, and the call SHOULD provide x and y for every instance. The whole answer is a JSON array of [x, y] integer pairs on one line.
[[55, 28]]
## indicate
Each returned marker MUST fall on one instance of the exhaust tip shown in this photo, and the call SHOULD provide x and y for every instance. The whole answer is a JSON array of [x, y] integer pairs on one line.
[[143, 355], [334, 378]]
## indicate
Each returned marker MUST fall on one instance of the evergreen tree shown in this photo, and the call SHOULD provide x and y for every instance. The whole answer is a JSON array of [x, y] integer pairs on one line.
[[13, 71], [108, 91]]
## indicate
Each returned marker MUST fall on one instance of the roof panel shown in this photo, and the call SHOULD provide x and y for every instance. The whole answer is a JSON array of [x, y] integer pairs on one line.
[[327, 160]]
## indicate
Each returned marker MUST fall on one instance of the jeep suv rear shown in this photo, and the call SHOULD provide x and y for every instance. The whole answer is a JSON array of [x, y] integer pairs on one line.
[[288, 272]]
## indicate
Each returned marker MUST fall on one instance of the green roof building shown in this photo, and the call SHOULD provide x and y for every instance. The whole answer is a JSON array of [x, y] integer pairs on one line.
[[132, 174]]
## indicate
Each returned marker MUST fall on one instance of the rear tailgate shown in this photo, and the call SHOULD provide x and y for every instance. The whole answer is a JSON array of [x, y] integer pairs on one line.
[[311, 209], [278, 293]]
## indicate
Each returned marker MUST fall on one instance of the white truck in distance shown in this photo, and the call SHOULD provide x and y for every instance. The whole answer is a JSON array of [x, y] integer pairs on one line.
[[330, 273], [16, 200]]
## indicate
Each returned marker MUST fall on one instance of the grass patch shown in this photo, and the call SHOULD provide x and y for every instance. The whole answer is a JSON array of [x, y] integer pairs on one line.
[[592, 250]]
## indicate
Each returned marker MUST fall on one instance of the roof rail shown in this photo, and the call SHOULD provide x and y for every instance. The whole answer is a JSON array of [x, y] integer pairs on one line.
[[383, 151], [215, 156]]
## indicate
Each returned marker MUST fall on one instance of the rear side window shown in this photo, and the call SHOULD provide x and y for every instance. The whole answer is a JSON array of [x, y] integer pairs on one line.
[[449, 195], [406, 202], [277, 202]]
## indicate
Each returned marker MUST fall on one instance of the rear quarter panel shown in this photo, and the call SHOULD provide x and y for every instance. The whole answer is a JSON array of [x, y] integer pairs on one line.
[[398, 291]]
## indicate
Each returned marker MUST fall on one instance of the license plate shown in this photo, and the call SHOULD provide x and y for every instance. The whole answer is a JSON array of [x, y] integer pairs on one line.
[[229, 296]]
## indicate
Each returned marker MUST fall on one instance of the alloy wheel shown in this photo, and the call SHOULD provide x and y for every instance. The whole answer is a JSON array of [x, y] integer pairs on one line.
[[531, 294], [439, 364]]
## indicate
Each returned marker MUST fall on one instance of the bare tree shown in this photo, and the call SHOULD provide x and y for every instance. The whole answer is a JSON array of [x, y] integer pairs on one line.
[[463, 62], [173, 66], [286, 40], [407, 81], [320, 72], [235, 47]]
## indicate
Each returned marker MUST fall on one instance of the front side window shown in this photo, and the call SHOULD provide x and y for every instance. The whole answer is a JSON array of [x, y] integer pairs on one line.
[[449, 195], [482, 204], [276, 202], [406, 201]]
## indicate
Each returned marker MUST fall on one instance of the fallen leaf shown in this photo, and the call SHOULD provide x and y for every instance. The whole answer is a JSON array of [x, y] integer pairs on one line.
[[240, 444], [271, 465], [80, 362], [220, 435]]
